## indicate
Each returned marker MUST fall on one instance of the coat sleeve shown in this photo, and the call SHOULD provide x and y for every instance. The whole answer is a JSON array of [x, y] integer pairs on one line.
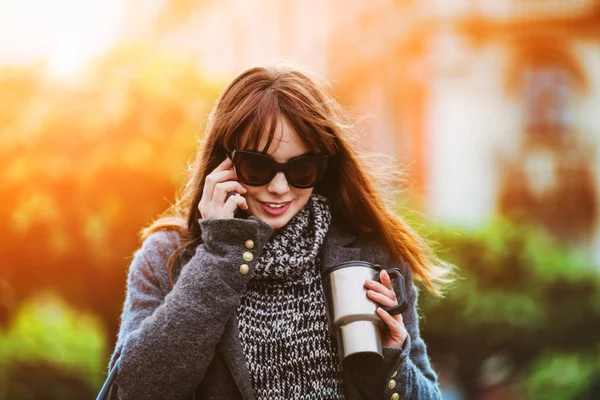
[[406, 371], [167, 340]]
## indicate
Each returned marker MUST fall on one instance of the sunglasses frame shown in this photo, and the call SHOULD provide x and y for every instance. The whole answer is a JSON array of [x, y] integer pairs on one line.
[[283, 167]]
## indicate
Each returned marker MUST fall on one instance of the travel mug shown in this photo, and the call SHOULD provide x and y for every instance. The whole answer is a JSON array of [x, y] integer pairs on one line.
[[351, 314]]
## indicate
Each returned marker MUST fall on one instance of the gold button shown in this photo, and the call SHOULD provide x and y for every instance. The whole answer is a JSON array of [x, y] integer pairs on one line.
[[394, 374], [244, 268], [248, 256], [249, 244], [395, 396], [392, 384]]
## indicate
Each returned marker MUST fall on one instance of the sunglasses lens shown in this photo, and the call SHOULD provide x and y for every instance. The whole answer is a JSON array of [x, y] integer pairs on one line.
[[306, 171], [253, 168]]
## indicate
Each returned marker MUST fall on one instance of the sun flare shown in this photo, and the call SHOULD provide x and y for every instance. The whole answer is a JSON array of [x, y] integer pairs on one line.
[[66, 33]]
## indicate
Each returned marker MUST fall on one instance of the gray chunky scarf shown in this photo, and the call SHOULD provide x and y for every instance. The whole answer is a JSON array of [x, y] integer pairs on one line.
[[281, 318]]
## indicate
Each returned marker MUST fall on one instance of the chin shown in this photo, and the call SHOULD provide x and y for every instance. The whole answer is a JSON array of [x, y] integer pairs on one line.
[[275, 222]]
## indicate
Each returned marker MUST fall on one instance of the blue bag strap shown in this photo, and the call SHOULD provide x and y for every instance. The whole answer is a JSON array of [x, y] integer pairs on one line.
[[107, 389]]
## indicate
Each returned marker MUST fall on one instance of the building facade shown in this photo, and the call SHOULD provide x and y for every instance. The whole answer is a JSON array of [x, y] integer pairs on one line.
[[494, 105], [491, 105]]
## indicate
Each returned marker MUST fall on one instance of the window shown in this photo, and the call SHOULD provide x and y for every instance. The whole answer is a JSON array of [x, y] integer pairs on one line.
[[547, 98]]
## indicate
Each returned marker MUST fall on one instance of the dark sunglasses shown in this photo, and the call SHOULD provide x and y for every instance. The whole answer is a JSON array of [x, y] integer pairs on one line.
[[258, 169]]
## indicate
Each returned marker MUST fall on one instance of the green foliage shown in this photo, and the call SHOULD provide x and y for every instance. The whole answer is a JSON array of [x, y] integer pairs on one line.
[[50, 337], [519, 294], [515, 277], [557, 376], [85, 165]]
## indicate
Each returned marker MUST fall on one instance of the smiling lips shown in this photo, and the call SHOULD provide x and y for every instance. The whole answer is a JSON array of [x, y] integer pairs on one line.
[[275, 208]]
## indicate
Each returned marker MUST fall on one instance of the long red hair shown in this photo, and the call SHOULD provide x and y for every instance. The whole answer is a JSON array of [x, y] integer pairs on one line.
[[250, 106]]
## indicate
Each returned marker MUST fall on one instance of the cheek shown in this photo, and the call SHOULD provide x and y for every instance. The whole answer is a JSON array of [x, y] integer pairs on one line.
[[302, 195], [252, 191]]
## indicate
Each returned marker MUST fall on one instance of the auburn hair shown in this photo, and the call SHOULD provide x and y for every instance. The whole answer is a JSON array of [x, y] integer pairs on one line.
[[249, 107]]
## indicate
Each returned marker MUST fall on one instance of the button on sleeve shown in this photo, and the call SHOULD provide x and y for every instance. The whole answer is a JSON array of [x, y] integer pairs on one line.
[[225, 245], [248, 256], [244, 269]]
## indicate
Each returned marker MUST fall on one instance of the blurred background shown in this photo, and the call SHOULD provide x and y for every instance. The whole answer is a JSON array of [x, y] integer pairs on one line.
[[493, 106]]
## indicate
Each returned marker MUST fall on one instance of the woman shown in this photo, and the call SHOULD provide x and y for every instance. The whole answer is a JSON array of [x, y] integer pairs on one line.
[[224, 298]]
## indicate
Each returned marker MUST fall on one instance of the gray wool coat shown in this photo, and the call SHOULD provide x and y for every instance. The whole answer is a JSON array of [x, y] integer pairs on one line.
[[175, 343]]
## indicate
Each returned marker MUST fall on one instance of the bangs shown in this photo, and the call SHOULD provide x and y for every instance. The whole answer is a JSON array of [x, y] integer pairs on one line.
[[263, 119]]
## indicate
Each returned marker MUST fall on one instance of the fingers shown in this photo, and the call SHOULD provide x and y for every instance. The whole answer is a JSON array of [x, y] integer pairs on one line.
[[223, 188], [233, 202], [222, 181], [383, 294], [395, 324], [225, 165], [381, 299], [389, 320], [382, 288], [216, 177], [385, 279]]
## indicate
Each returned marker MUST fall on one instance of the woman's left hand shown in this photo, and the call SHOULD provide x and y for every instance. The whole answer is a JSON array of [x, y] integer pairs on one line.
[[383, 294]]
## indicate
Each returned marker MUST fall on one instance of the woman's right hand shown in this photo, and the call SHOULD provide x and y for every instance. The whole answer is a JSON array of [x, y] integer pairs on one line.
[[219, 183]]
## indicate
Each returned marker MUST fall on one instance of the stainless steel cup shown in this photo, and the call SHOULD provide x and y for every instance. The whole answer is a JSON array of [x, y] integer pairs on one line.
[[351, 313]]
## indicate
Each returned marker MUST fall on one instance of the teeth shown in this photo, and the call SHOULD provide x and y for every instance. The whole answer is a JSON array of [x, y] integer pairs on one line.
[[274, 206]]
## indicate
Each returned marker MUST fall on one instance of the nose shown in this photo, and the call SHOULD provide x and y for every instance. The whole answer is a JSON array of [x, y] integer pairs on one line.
[[279, 185]]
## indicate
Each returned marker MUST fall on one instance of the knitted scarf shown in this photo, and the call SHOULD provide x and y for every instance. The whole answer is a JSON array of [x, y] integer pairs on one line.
[[281, 318]]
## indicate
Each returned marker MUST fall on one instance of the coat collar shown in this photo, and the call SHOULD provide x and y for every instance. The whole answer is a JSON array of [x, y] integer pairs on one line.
[[335, 250]]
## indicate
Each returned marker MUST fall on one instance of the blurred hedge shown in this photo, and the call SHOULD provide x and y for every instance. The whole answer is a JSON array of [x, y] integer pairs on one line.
[[521, 298], [51, 351]]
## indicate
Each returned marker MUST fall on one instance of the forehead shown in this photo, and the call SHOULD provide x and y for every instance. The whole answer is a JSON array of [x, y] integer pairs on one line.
[[284, 141]]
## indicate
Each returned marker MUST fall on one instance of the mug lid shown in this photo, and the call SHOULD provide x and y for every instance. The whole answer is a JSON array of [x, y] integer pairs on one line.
[[353, 263]]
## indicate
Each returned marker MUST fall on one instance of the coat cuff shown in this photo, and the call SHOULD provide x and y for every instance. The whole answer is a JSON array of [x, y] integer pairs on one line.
[[233, 247], [395, 359], [220, 232]]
